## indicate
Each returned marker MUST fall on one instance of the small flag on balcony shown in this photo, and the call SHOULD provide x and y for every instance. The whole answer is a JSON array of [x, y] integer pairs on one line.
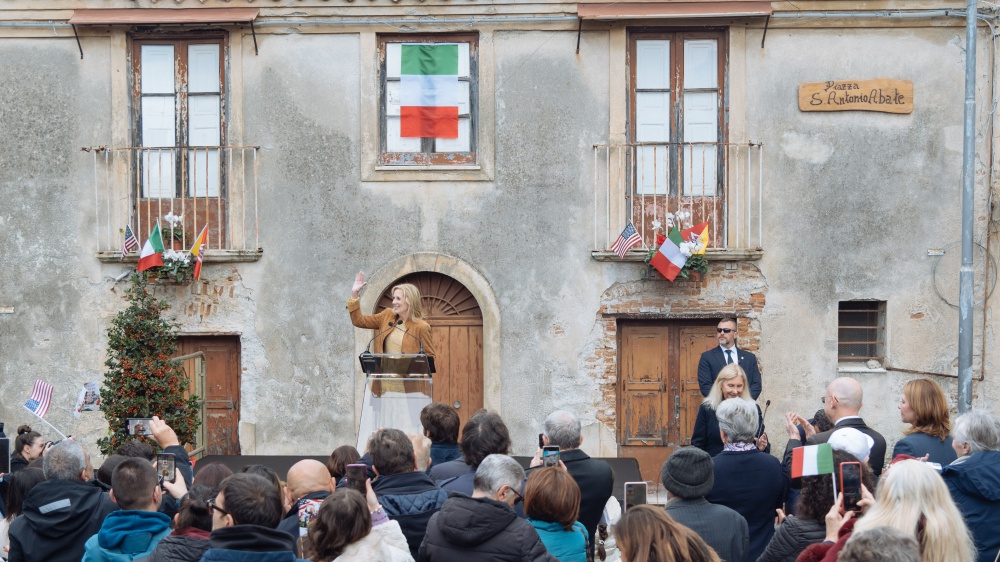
[[697, 233], [130, 242], [41, 397], [626, 240], [152, 251], [196, 252], [429, 90], [668, 259]]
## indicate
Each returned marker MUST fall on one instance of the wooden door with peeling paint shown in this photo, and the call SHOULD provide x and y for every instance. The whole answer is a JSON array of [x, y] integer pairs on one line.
[[457, 326], [222, 390], [658, 394]]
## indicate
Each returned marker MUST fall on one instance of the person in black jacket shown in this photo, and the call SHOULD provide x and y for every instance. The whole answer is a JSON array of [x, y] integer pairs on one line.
[[407, 495], [484, 527], [62, 512], [808, 525], [484, 434], [595, 477], [308, 480]]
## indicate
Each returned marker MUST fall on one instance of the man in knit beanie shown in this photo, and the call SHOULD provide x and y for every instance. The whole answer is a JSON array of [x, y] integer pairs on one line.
[[688, 476]]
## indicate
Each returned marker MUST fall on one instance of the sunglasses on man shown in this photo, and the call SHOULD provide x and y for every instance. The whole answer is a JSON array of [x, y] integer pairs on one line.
[[724, 330]]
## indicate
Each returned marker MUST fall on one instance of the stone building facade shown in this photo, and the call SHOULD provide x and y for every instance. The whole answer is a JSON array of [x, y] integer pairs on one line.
[[562, 145]]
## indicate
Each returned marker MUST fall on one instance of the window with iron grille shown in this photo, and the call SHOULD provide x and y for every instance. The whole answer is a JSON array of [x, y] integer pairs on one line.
[[861, 331]]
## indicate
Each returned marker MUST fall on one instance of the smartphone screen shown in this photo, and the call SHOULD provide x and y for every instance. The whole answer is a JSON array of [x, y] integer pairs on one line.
[[850, 485], [356, 476], [4, 455], [307, 512], [541, 440], [550, 455], [166, 467], [635, 494], [139, 426]]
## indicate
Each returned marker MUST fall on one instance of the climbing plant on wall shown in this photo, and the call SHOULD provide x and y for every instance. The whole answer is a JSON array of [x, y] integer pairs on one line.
[[141, 381]]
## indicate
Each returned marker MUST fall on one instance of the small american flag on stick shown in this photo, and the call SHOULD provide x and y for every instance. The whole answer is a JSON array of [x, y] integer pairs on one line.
[[626, 240], [41, 397], [130, 241]]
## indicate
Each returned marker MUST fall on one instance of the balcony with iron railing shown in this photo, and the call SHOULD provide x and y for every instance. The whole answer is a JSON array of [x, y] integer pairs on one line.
[[214, 185], [644, 182]]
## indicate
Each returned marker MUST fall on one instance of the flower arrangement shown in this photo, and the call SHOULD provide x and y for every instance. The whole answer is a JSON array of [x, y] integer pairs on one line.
[[177, 266], [692, 249], [176, 229]]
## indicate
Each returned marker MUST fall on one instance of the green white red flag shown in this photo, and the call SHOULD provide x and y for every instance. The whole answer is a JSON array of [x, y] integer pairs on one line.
[[669, 260], [429, 90], [152, 251], [812, 460]]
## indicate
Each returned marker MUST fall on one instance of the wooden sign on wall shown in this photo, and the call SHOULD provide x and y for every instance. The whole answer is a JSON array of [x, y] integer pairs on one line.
[[880, 94]]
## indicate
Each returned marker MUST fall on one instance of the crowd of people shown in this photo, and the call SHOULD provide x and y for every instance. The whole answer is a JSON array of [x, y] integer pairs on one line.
[[455, 493]]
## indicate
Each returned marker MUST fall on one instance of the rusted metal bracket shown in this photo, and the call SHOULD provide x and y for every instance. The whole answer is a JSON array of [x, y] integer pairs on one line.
[[579, 32], [78, 45]]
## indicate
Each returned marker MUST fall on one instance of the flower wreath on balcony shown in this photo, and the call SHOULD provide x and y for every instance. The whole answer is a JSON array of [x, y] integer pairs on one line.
[[680, 252], [168, 264]]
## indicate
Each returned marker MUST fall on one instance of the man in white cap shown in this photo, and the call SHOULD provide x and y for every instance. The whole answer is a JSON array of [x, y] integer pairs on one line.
[[853, 442]]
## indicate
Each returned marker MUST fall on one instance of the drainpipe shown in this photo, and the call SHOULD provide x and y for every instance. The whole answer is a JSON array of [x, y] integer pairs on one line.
[[965, 297]]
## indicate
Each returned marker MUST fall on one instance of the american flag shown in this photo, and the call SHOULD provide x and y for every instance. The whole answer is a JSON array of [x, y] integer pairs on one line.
[[41, 397], [628, 238], [130, 242]]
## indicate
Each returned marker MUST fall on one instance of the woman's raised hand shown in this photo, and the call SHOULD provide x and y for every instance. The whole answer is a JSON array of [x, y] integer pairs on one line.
[[359, 283]]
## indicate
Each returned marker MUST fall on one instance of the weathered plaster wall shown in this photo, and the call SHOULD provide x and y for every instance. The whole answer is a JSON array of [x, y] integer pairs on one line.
[[855, 200]]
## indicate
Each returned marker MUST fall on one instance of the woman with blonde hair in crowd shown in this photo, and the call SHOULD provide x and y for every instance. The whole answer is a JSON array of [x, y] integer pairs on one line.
[[912, 498], [925, 408], [731, 383], [645, 533]]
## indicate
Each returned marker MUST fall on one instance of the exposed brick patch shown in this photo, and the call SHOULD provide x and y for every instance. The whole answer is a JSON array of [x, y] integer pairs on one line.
[[723, 292]]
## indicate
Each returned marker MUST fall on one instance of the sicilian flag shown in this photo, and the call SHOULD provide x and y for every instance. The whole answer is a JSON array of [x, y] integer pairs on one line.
[[41, 397], [152, 251], [669, 260], [197, 253], [812, 460], [698, 232], [429, 90]]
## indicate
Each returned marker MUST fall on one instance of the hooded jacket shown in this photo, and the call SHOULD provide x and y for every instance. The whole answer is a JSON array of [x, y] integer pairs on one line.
[[249, 543], [58, 518], [567, 546], [410, 498], [183, 545], [480, 529], [126, 535], [975, 486]]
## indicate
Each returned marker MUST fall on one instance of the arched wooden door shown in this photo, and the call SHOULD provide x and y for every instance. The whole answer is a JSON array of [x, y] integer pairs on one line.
[[457, 325]]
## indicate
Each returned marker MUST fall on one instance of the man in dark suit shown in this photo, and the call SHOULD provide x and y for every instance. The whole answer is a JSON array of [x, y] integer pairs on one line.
[[842, 404], [595, 477], [713, 360], [688, 475]]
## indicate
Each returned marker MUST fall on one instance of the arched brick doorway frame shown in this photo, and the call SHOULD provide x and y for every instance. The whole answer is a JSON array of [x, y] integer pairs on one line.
[[382, 279]]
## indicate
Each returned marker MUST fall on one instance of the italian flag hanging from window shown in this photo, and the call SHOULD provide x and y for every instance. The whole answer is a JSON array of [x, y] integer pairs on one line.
[[429, 90]]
